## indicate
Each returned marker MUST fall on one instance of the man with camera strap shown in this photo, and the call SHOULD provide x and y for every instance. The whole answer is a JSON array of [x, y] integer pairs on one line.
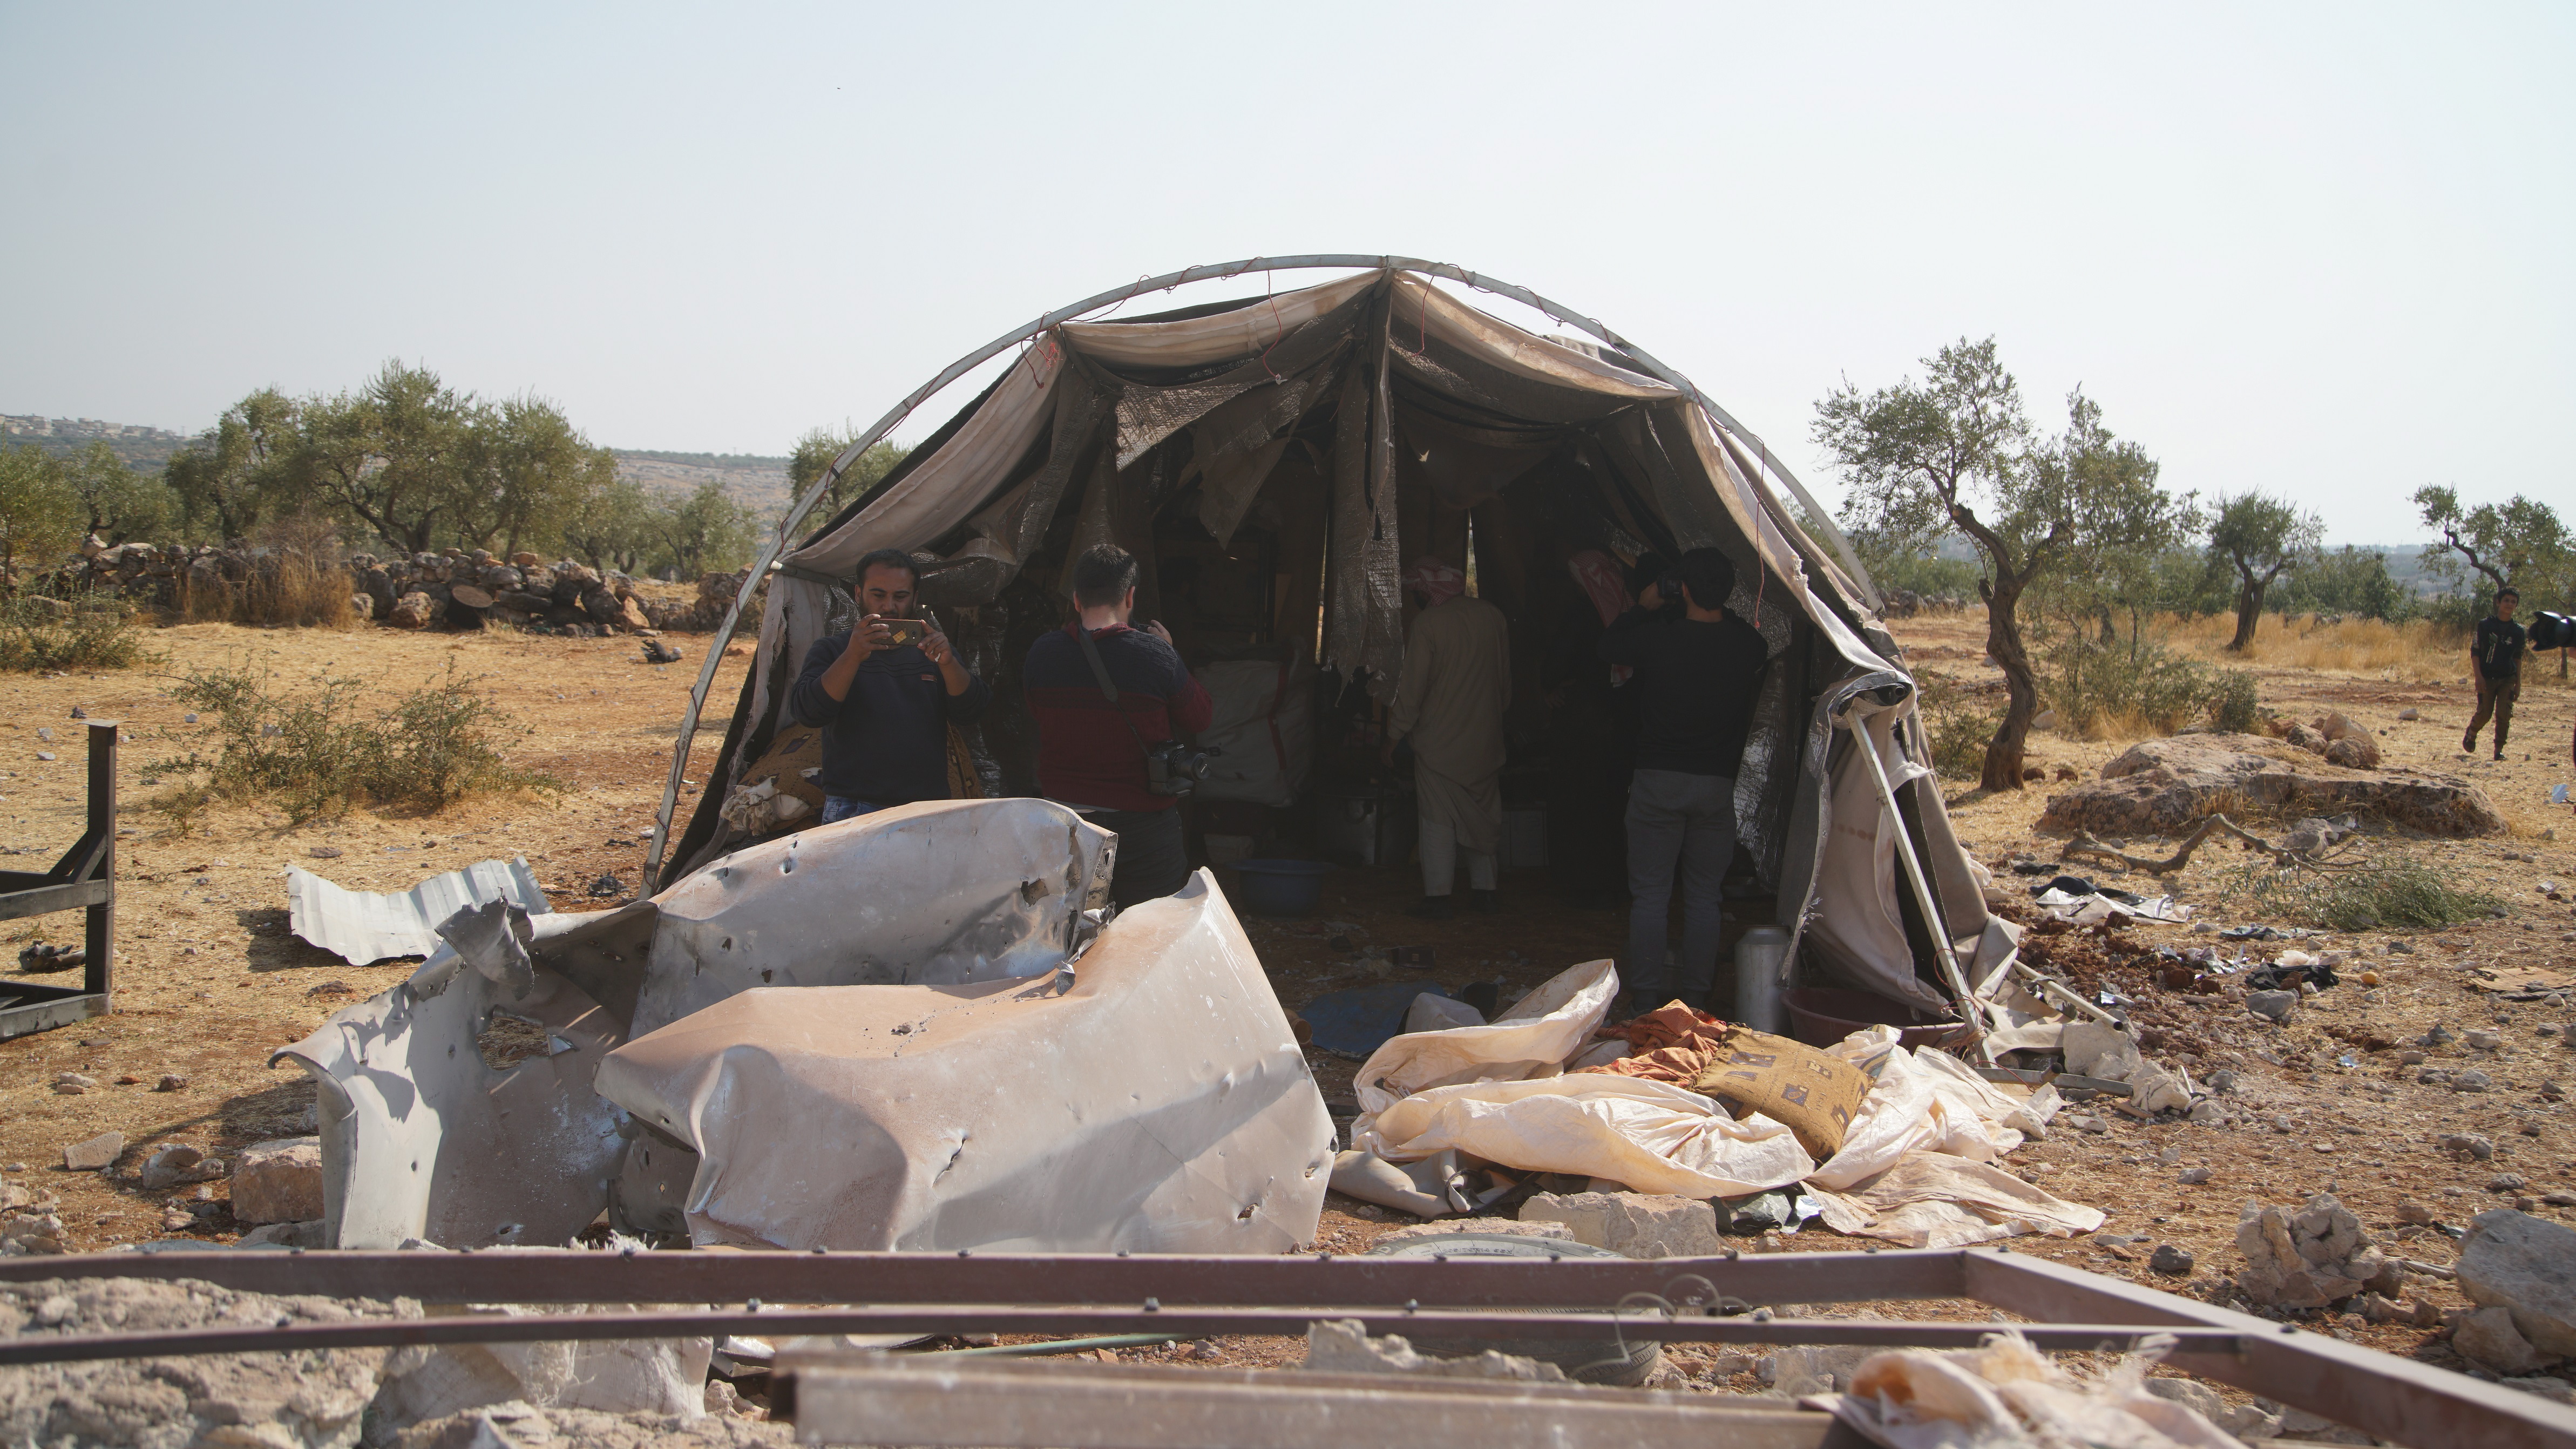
[[1109, 701]]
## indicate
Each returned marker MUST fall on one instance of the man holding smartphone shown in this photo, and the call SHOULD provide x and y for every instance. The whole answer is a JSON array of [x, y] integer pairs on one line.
[[884, 695]]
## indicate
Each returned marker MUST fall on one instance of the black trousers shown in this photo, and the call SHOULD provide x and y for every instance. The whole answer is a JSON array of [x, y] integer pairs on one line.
[[1151, 860]]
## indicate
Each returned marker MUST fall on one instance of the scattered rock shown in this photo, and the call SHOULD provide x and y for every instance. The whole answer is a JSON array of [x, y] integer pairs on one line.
[[169, 1166], [95, 1153], [2410, 713], [2414, 1212], [1634, 1225], [2488, 1336], [171, 1082], [2469, 1145], [2478, 1040], [2164, 787], [1507, 1227], [2506, 1182], [2527, 1266], [72, 1084], [2307, 1257], [2471, 1080], [2171, 1261], [285, 1235], [279, 1182], [1343, 1346], [2192, 1176], [2274, 1004]]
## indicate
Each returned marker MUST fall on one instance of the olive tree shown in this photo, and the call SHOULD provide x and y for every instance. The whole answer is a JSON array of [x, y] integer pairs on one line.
[[2261, 538], [1955, 452]]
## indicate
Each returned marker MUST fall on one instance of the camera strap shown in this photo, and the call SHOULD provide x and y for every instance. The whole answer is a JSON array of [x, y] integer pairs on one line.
[[1100, 673]]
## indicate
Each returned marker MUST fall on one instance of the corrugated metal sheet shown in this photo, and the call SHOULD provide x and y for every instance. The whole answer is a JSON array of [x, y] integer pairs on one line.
[[364, 927]]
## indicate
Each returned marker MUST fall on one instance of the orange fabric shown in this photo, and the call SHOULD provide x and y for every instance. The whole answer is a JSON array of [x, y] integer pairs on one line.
[[1676, 1044]]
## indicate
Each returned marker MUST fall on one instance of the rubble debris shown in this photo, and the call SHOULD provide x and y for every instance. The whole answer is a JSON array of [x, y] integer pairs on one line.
[[1343, 1346], [279, 1181], [525, 1426], [2166, 787], [364, 927], [43, 957], [1633, 1225], [2310, 1256], [176, 1163], [2526, 1266], [2488, 1336], [306, 1400], [91, 1154], [664, 1376], [2170, 1260], [2004, 1393], [2277, 1005], [1487, 1227], [1624, 1362]]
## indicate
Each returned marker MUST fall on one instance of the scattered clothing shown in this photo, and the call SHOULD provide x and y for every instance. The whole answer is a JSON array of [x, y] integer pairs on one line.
[[886, 741]]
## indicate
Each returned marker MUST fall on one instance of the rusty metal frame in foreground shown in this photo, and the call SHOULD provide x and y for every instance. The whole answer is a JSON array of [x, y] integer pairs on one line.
[[2393, 1398]]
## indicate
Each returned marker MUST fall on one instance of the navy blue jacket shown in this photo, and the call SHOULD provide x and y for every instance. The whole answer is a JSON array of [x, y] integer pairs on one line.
[[887, 743]]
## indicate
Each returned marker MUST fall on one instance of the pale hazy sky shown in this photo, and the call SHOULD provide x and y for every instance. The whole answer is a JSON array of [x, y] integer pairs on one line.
[[2324, 250]]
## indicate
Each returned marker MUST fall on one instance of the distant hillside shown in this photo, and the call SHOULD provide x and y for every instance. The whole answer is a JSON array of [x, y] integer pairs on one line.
[[145, 450], [752, 479]]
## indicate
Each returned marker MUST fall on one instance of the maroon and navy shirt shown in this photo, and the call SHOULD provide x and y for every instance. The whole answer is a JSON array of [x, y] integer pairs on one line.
[[1085, 755]]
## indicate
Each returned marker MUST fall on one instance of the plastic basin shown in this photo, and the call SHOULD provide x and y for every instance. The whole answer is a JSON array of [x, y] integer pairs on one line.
[[1822, 1015], [1279, 887]]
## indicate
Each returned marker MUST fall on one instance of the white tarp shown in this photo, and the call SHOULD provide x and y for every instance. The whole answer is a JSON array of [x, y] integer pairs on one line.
[[1652, 1136], [1538, 1033], [1264, 726], [364, 927], [1162, 1105]]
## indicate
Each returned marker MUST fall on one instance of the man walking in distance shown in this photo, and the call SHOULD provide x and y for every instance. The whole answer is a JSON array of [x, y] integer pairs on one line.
[[1091, 753], [2495, 663], [1457, 682], [1696, 678], [884, 707]]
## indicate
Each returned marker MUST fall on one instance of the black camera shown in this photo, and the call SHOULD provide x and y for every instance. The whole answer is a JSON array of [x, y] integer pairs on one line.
[[1174, 768], [2551, 631]]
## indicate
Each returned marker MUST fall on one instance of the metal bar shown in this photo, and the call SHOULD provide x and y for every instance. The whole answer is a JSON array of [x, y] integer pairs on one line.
[[2064, 995], [45, 1015], [1168, 282], [1064, 1345], [99, 971], [2380, 1394], [945, 1318], [1175, 1280], [1101, 1406], [45, 900], [1934, 924]]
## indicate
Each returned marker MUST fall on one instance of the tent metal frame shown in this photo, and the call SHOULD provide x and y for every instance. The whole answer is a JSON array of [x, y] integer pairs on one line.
[[83, 880], [1169, 281], [1699, 1300]]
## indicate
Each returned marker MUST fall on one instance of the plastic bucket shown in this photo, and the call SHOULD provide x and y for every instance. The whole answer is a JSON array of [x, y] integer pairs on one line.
[[1821, 1016], [1279, 887]]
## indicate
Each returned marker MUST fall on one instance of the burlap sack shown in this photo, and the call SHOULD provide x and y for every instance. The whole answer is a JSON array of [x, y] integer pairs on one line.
[[1813, 1095]]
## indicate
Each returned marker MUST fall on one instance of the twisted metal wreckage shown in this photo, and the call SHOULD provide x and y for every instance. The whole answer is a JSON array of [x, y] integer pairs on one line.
[[923, 1029]]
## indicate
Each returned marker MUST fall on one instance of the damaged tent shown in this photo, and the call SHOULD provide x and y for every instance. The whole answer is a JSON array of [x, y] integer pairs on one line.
[[1273, 461]]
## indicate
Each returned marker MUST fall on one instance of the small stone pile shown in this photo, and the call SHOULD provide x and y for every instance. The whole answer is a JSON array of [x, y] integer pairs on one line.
[[701, 615]]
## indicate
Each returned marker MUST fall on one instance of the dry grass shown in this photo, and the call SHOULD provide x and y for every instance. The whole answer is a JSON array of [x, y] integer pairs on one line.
[[297, 590], [2416, 652]]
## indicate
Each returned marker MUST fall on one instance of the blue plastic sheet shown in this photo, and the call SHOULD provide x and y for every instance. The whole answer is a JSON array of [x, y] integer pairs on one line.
[[1357, 1022]]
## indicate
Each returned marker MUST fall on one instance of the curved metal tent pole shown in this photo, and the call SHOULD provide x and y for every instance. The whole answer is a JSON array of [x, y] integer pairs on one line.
[[1167, 282]]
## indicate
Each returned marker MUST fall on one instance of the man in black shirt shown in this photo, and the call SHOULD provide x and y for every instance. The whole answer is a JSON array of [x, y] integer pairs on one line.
[[1696, 677], [2495, 662], [884, 708]]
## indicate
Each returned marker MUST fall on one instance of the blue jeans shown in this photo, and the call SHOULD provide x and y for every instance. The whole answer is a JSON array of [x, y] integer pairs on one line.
[[1681, 825], [842, 807]]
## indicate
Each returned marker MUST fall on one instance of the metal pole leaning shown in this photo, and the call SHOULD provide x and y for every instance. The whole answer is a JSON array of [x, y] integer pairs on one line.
[[1933, 925]]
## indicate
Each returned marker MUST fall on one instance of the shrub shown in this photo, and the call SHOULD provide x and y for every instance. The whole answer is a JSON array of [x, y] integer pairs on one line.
[[85, 632], [2394, 890], [2138, 686], [1955, 728], [290, 588], [315, 753]]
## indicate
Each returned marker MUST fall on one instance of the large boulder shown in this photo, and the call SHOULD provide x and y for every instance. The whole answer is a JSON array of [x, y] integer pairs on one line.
[[2166, 787], [2526, 1266], [279, 1182], [2309, 1256]]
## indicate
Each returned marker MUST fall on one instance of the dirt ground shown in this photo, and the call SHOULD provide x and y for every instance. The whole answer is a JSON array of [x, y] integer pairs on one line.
[[210, 982]]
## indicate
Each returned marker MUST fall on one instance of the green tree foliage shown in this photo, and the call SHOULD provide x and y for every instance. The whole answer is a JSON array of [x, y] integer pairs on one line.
[[707, 531], [528, 473], [40, 513], [814, 456], [613, 527], [2260, 537], [391, 455], [117, 503], [2520, 542], [2351, 582], [228, 479], [1955, 453]]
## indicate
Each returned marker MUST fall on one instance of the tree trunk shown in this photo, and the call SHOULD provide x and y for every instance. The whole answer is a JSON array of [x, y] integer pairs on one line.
[[2021, 687], [2249, 613]]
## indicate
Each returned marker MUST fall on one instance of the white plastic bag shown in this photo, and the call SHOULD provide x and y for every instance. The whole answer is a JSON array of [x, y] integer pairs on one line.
[[1533, 1038], [1650, 1136], [1923, 1102]]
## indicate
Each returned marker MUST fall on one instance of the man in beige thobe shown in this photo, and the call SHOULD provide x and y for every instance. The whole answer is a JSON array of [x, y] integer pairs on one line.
[[1457, 683]]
